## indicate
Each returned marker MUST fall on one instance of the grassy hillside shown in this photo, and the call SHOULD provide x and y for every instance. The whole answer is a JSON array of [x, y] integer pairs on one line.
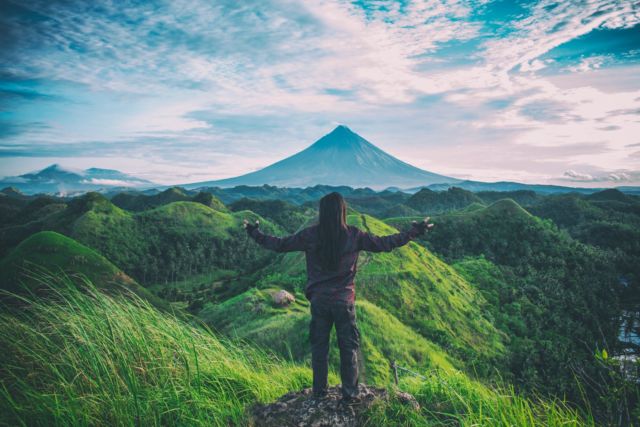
[[253, 316], [99, 360], [609, 219], [287, 215], [555, 297], [165, 244], [103, 360], [522, 197], [490, 287], [428, 201], [50, 251], [413, 285], [138, 202]]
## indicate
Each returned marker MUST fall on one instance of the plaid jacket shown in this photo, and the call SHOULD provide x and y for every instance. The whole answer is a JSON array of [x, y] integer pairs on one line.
[[333, 285]]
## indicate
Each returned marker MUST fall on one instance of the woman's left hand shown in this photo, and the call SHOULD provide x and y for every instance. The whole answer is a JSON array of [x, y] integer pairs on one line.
[[250, 227]]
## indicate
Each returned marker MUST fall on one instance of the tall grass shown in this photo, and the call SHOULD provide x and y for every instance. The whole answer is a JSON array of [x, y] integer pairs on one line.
[[86, 358], [453, 399], [82, 357]]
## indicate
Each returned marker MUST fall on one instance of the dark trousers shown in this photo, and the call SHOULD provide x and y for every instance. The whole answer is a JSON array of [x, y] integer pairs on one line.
[[324, 314]]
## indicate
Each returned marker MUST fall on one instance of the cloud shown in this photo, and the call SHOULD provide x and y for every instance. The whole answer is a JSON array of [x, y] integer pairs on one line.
[[620, 176], [114, 182], [550, 24], [534, 65], [229, 86], [588, 64], [571, 174]]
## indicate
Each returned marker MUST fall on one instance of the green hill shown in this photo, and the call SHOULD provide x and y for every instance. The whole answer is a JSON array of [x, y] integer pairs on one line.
[[611, 194], [522, 197], [51, 253], [165, 244], [608, 219], [428, 201], [399, 210], [287, 215], [500, 231], [545, 290], [413, 285], [96, 359], [253, 316], [138, 202]]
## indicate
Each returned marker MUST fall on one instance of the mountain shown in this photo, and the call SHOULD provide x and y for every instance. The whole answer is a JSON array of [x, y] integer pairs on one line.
[[58, 180], [477, 186], [341, 157]]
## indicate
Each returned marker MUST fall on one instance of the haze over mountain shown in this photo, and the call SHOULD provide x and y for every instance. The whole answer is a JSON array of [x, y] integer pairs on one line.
[[56, 179], [341, 157], [341, 160]]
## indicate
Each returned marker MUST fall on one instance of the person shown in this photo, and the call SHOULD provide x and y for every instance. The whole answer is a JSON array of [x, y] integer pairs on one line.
[[331, 250]]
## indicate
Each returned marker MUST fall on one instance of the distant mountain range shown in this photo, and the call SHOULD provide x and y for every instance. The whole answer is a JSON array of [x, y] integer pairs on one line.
[[341, 157], [341, 161], [57, 180]]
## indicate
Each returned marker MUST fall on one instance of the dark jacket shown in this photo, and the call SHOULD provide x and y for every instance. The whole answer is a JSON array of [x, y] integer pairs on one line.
[[333, 285]]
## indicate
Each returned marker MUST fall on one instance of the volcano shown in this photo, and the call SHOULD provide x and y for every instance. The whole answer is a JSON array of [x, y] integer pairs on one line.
[[341, 157]]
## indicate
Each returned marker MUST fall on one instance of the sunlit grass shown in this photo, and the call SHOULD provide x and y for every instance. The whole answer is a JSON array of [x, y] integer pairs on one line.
[[86, 358], [453, 399], [82, 357]]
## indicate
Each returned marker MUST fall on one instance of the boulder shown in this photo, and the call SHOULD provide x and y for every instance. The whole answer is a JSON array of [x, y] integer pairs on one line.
[[282, 298], [301, 409]]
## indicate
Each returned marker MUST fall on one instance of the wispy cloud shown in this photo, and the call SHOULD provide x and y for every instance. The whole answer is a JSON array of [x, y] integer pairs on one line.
[[621, 176], [226, 87]]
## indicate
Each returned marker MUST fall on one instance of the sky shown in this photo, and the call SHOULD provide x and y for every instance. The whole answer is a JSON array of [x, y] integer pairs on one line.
[[182, 91]]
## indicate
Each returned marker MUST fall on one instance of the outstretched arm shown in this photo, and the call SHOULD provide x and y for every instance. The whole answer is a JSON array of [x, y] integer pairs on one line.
[[294, 242], [372, 243]]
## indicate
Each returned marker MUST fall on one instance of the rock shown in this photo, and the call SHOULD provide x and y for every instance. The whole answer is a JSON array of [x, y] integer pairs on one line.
[[301, 409], [407, 399], [282, 298]]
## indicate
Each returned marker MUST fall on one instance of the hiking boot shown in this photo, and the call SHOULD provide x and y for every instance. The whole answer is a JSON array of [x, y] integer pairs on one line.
[[317, 398], [350, 401]]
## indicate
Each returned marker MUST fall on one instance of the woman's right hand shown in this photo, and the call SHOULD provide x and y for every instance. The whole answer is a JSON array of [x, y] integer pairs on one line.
[[422, 226]]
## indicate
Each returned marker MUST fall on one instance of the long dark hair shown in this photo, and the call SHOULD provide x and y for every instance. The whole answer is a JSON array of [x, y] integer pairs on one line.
[[332, 230]]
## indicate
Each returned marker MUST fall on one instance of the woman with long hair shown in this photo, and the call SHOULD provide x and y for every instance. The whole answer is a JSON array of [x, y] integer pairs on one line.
[[331, 248]]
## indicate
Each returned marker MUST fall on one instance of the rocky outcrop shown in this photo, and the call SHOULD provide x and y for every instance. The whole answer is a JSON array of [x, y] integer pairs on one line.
[[301, 409]]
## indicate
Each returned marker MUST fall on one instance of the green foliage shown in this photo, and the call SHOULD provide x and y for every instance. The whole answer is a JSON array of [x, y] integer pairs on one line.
[[138, 202], [427, 201], [414, 286], [57, 252], [253, 316], [94, 359], [399, 210], [453, 399], [522, 197], [165, 244], [553, 297], [51, 251], [536, 296], [285, 214], [609, 220]]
